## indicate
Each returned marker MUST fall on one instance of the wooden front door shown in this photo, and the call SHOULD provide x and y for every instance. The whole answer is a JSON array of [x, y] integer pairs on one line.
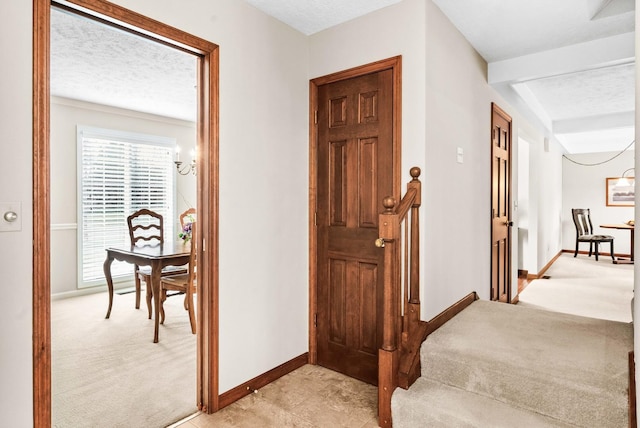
[[355, 159], [500, 204]]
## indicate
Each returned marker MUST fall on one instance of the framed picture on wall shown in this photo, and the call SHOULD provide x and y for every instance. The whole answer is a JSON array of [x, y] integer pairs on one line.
[[621, 194]]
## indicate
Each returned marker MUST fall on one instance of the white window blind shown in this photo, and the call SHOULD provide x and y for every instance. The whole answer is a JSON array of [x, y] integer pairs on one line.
[[119, 173]]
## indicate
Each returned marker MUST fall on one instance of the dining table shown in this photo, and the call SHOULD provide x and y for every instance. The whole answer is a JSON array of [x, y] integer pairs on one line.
[[157, 257], [631, 229]]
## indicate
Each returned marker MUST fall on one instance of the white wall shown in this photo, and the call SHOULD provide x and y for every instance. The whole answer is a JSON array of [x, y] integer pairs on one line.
[[584, 187], [549, 198], [65, 116], [525, 222], [458, 114], [15, 186]]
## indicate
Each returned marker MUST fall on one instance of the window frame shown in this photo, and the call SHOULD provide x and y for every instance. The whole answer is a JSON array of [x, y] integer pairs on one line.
[[127, 137]]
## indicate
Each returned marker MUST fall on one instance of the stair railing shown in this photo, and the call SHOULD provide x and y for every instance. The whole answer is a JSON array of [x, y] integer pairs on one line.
[[403, 332]]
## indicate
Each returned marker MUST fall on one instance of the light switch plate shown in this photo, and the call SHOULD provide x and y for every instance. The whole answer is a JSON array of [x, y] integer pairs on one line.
[[460, 155], [10, 207]]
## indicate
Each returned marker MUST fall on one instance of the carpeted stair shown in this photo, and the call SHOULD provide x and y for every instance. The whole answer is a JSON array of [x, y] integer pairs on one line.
[[499, 365]]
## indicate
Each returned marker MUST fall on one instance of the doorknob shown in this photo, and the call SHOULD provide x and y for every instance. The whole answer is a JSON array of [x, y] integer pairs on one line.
[[10, 216], [380, 242], [508, 223]]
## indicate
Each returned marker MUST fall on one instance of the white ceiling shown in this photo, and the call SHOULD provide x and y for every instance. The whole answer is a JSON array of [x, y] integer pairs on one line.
[[311, 16], [570, 63]]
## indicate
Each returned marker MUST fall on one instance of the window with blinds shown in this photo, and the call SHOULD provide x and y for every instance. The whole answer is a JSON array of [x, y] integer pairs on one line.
[[118, 173]]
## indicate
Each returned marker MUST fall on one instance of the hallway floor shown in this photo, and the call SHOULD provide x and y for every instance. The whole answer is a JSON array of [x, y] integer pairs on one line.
[[309, 397]]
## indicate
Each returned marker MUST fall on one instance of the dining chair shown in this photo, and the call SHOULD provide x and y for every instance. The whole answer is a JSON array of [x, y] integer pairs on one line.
[[189, 216], [146, 227], [182, 283], [186, 218], [584, 232]]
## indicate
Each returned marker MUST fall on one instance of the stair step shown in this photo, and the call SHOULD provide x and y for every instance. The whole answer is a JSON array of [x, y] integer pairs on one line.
[[429, 403], [567, 367]]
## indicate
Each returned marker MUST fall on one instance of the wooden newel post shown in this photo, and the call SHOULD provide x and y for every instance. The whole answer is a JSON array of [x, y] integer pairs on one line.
[[389, 233], [396, 326]]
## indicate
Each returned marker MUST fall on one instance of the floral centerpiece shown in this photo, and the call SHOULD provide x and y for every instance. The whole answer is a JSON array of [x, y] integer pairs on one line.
[[185, 234]]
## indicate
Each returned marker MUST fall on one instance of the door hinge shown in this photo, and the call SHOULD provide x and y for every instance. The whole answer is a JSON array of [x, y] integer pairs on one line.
[[315, 116], [315, 218], [315, 320]]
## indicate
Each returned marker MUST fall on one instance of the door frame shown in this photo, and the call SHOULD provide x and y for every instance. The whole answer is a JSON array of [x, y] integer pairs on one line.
[[395, 64], [207, 191]]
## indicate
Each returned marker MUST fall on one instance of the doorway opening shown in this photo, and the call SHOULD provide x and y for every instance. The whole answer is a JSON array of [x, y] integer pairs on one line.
[[207, 191]]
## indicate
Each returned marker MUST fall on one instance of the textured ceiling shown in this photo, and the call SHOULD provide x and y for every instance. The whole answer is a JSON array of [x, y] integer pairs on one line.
[[311, 16], [587, 93], [98, 63]]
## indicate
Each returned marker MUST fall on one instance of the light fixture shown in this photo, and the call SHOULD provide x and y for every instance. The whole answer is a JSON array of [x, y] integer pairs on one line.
[[187, 168], [623, 181]]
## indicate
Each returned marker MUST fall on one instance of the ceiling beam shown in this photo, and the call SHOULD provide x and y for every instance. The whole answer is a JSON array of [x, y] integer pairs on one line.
[[598, 53], [594, 123]]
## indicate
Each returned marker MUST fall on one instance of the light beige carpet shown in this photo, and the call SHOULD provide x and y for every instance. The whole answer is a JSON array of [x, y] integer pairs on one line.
[[582, 286], [553, 368], [309, 397], [109, 373], [557, 359]]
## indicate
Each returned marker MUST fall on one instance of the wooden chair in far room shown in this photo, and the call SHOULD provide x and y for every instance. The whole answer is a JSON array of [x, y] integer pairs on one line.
[[183, 283], [188, 216], [146, 227], [584, 233]]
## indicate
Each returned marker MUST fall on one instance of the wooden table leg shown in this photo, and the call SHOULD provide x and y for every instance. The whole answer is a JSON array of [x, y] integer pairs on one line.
[[107, 274], [155, 285]]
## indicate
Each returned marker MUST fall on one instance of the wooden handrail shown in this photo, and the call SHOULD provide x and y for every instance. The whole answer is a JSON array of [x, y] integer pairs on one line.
[[402, 329]]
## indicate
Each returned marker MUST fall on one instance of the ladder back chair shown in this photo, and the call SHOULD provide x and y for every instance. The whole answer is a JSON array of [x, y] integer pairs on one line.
[[146, 227], [584, 233]]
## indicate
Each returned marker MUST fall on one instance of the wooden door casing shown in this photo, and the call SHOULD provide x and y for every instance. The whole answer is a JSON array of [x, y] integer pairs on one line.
[[208, 142], [500, 204], [355, 159]]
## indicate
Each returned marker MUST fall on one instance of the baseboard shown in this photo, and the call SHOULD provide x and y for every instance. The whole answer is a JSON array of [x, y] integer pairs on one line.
[[91, 290], [548, 265], [531, 276], [600, 254], [262, 380], [444, 316], [524, 274], [515, 300]]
